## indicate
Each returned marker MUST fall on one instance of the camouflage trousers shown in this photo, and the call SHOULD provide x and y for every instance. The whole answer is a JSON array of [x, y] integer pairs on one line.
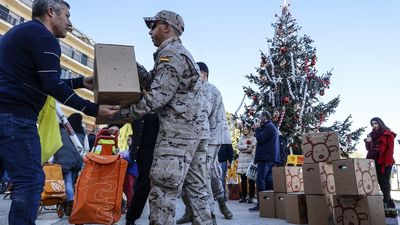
[[178, 163], [215, 188]]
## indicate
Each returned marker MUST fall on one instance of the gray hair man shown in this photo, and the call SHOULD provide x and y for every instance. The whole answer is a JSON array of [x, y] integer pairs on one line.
[[29, 73]]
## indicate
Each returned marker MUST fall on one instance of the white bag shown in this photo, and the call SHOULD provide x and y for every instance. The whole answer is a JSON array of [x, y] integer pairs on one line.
[[251, 172]]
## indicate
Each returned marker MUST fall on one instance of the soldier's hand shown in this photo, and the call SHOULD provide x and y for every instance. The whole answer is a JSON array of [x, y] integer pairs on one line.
[[108, 111], [88, 82]]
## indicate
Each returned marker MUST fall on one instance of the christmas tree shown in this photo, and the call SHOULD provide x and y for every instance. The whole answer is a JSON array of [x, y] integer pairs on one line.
[[289, 87]]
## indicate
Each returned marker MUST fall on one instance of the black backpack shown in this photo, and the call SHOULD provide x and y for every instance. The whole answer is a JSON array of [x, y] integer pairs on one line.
[[283, 150]]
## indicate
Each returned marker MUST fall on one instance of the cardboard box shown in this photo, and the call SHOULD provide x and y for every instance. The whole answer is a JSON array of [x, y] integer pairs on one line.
[[355, 177], [318, 179], [362, 210], [288, 179], [321, 147], [267, 204], [115, 73], [296, 208], [280, 201], [320, 209]]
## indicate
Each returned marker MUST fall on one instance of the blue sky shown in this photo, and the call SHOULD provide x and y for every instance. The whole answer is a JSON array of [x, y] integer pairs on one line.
[[359, 39]]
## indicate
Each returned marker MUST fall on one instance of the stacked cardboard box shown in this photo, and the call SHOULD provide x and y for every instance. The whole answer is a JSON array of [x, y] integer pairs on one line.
[[287, 200], [357, 199], [339, 191], [320, 150]]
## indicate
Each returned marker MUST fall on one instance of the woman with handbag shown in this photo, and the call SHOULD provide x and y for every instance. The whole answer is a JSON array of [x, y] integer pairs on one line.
[[247, 148], [380, 144], [69, 158]]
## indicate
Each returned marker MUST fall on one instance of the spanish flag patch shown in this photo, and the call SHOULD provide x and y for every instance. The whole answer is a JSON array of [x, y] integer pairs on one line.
[[165, 58]]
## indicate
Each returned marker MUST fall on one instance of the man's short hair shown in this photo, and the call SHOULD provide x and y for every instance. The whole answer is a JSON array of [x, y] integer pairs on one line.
[[266, 114], [39, 7], [203, 67]]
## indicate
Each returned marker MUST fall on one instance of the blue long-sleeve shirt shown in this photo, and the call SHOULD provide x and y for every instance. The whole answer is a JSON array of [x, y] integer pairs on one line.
[[30, 70], [267, 148]]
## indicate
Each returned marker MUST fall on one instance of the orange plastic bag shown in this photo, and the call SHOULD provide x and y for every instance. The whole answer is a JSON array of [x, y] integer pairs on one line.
[[98, 194]]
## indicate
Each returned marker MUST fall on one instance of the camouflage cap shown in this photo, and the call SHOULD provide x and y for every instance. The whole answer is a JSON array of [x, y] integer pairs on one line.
[[169, 17]]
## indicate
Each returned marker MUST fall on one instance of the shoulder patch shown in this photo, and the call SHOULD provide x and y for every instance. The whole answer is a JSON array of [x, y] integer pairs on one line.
[[165, 58]]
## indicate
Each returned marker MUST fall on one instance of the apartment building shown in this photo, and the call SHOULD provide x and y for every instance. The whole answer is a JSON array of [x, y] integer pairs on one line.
[[77, 49]]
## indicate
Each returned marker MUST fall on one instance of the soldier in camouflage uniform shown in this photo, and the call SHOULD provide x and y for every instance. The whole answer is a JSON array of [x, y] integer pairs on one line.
[[219, 134], [181, 147]]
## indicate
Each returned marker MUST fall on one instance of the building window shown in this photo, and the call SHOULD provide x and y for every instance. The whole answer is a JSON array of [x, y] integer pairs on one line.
[[4, 13], [84, 59], [76, 55], [68, 74]]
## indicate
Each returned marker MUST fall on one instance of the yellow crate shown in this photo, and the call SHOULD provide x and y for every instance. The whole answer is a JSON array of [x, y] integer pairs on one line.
[[295, 160]]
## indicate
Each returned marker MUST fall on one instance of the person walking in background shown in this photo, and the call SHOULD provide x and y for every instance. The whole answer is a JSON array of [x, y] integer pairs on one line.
[[380, 145], [130, 176], [30, 71], [225, 159], [219, 134], [247, 149], [267, 153], [69, 159], [145, 131]]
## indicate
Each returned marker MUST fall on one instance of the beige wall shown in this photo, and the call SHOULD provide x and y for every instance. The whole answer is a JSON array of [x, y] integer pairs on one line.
[[21, 9]]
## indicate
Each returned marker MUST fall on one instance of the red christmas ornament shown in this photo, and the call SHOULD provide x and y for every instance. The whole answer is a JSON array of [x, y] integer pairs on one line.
[[248, 142], [321, 93], [255, 98], [285, 100], [313, 61], [283, 50]]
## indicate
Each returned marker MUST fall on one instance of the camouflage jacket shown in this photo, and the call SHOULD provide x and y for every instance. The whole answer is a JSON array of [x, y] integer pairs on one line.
[[175, 93], [219, 130]]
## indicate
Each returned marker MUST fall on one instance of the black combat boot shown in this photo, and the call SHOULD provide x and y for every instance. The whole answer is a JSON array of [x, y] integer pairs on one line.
[[224, 209]]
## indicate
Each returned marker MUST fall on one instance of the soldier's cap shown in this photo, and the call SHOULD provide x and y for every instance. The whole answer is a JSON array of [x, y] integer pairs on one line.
[[169, 17]]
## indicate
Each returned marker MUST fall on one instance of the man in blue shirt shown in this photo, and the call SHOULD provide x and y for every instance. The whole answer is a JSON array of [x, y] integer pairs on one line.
[[29, 72]]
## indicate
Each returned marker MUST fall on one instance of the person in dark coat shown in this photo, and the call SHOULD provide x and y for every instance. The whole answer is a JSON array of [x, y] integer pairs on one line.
[[267, 152], [145, 131], [225, 158], [69, 159]]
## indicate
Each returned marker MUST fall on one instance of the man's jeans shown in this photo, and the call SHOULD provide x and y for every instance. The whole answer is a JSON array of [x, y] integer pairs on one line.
[[21, 153], [264, 176], [224, 167]]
